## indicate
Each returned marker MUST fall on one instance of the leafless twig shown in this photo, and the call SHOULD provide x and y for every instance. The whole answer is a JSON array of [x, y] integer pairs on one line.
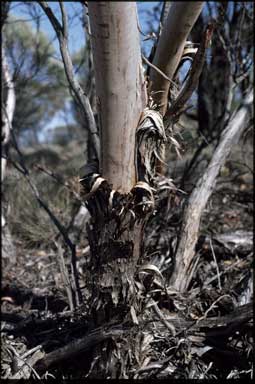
[[158, 312], [217, 267], [79, 95], [195, 71], [65, 277], [158, 70], [54, 219], [212, 307]]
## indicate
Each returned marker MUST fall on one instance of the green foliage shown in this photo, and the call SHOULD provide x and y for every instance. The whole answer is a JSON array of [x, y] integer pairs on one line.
[[40, 82]]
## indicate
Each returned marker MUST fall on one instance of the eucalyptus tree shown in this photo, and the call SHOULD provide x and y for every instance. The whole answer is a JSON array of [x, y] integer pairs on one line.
[[137, 113]]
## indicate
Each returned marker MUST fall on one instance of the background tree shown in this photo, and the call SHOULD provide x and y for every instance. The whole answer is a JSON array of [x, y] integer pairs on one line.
[[40, 85], [7, 112]]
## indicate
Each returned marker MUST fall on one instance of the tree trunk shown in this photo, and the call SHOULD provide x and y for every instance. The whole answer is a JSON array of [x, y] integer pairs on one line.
[[185, 261], [120, 88], [8, 107], [115, 232]]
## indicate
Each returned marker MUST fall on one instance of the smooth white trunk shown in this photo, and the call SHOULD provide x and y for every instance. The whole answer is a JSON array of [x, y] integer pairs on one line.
[[180, 20], [120, 87]]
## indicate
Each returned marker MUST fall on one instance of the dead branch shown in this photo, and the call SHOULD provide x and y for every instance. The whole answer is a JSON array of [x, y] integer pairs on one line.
[[26, 173], [222, 326], [225, 323], [65, 277], [182, 275], [77, 346], [195, 72], [157, 69], [79, 95]]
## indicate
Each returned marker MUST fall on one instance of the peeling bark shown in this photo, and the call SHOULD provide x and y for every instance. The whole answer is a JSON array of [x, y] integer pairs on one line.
[[115, 236]]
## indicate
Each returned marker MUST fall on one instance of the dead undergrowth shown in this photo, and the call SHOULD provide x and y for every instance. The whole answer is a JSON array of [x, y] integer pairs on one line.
[[205, 333]]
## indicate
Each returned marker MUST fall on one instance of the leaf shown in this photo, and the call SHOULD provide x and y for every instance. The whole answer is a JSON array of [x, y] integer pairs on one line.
[[97, 184], [151, 268], [133, 315]]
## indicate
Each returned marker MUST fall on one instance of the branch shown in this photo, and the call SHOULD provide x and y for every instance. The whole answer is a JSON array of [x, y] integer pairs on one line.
[[79, 95], [25, 172], [158, 70], [65, 277], [182, 274], [64, 20], [195, 72], [176, 28], [77, 346]]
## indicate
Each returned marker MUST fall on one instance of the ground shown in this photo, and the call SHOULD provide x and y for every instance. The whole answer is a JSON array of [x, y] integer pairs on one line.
[[212, 338]]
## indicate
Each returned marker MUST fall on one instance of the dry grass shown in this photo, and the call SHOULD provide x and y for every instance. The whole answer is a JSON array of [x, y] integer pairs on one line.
[[28, 222]]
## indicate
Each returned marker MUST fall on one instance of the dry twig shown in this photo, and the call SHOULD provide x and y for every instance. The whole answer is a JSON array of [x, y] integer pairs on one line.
[[79, 95]]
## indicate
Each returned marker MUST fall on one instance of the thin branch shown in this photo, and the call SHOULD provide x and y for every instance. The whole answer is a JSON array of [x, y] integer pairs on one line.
[[64, 20], [195, 72], [217, 267], [59, 180], [160, 315], [65, 277], [158, 70], [79, 95], [51, 215]]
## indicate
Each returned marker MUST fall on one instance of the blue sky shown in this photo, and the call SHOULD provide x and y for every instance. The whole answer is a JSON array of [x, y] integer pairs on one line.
[[76, 35], [73, 8]]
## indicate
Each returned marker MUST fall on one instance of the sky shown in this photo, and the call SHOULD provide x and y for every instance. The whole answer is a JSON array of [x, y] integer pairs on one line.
[[76, 34]]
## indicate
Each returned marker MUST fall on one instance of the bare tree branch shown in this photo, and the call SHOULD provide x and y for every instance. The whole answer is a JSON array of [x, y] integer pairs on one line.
[[79, 95], [183, 271], [192, 81], [180, 20], [25, 172], [79, 345]]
